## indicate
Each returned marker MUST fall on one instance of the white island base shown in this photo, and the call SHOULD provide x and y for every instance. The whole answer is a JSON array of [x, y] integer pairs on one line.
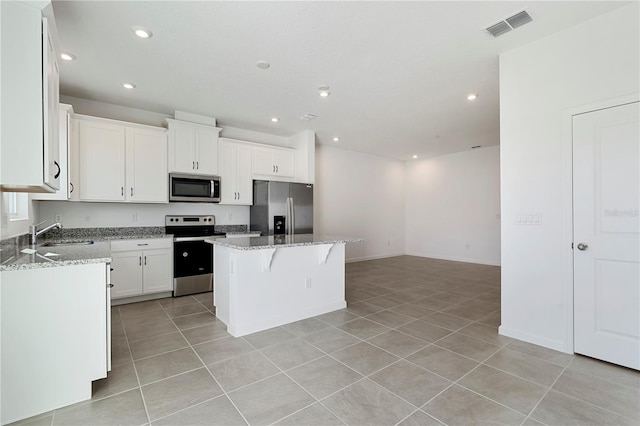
[[258, 289]]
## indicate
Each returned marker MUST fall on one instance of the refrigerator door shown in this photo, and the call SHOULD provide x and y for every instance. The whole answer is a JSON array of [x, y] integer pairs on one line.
[[269, 200], [302, 199]]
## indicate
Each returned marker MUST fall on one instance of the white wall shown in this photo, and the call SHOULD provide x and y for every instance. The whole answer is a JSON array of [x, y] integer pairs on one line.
[[594, 61], [97, 215], [360, 195], [453, 206]]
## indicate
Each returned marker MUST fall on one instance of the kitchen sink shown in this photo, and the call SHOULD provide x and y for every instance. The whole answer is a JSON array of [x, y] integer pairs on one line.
[[68, 243]]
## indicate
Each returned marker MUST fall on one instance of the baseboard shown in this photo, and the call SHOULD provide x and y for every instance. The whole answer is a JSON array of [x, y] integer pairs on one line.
[[456, 259], [363, 259], [535, 339]]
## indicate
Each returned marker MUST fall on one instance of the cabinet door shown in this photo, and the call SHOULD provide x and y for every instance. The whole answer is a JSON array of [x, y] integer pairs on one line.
[[181, 148], [102, 150], [244, 178], [206, 143], [262, 163], [147, 178], [228, 193], [73, 159], [157, 274], [284, 162], [126, 276], [50, 75]]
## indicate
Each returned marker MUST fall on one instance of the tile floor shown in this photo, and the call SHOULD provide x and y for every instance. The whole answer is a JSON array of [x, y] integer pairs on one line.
[[417, 345]]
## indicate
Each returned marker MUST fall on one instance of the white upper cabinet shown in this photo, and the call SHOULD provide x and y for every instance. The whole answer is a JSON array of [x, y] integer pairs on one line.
[[273, 162], [193, 148], [121, 161], [235, 166], [64, 141], [29, 98]]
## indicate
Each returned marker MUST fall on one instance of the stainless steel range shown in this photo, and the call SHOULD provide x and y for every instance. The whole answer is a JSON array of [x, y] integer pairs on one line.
[[192, 256]]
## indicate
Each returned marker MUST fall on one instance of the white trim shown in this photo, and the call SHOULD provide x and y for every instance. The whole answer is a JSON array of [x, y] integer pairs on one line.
[[557, 345], [567, 198], [456, 259]]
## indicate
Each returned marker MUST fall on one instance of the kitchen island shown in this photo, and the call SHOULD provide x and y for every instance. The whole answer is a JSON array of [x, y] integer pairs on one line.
[[264, 282]]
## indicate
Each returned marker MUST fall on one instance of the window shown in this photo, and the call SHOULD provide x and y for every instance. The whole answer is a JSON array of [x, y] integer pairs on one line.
[[15, 205]]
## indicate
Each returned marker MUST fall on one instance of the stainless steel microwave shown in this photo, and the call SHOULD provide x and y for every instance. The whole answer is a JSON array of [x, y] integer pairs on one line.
[[194, 188]]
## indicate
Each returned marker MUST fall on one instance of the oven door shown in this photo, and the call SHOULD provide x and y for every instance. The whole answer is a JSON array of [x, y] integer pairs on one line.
[[192, 258], [194, 188]]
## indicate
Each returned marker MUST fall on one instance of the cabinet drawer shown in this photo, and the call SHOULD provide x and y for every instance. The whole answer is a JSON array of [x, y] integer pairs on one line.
[[142, 244]]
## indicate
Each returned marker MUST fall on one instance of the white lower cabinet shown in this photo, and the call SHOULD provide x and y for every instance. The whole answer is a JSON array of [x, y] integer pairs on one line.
[[141, 267]]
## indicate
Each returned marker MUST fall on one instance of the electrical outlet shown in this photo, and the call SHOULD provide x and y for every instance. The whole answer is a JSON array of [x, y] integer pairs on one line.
[[134, 217], [57, 218]]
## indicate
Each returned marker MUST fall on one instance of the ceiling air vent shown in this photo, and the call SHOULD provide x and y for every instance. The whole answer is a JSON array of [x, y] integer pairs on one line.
[[510, 23], [308, 116]]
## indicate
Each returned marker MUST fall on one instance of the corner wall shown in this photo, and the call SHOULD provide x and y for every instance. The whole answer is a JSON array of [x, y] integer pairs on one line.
[[360, 195], [453, 205], [539, 83]]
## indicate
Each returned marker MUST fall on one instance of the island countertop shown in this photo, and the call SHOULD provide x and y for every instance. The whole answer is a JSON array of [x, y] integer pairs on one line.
[[280, 241]]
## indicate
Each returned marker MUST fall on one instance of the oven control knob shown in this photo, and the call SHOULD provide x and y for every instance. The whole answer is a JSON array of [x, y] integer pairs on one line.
[[185, 254]]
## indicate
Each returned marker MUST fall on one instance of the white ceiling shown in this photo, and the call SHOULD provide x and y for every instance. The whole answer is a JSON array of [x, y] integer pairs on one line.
[[399, 72]]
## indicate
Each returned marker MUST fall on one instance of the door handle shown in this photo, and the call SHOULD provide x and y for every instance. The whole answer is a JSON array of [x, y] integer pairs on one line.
[[58, 166], [582, 246]]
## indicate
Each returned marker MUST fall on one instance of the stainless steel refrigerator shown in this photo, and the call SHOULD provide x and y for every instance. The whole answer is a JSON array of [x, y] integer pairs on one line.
[[282, 207]]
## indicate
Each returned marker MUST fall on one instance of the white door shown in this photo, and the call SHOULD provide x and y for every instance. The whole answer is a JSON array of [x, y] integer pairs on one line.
[[157, 274], [285, 162], [206, 151], [147, 178], [181, 148], [606, 184], [263, 161], [102, 151]]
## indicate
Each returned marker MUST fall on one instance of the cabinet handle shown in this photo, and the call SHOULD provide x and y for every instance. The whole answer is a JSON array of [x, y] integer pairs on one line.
[[197, 165], [140, 261], [122, 191], [70, 183], [111, 269], [132, 191], [110, 286], [143, 244], [58, 166], [276, 169], [145, 261], [193, 165], [238, 195]]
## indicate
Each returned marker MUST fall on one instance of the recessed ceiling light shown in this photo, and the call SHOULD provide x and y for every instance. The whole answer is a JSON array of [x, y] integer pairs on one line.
[[68, 56], [336, 139], [275, 119], [128, 85], [142, 32], [415, 156], [472, 97], [263, 65], [324, 91]]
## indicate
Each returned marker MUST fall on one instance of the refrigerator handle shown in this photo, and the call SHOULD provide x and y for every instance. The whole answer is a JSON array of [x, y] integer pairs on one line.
[[293, 217]]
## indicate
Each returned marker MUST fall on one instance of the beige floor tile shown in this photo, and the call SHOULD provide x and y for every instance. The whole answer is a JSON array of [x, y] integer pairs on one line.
[[363, 308], [450, 322], [364, 358], [242, 370], [366, 403], [166, 365], [413, 310], [424, 331], [270, 400], [216, 412], [559, 409], [133, 309], [323, 376], [468, 346], [176, 393], [206, 333], [269, 337], [544, 354], [504, 388], [291, 353], [157, 345], [145, 318], [617, 398], [122, 409], [486, 333], [195, 320], [493, 319], [45, 419], [410, 382], [458, 406], [390, 319], [419, 418], [398, 343], [525, 366], [186, 309], [170, 302], [605, 371], [314, 415], [337, 317], [222, 349], [363, 328], [121, 378], [385, 302], [120, 352], [331, 339], [304, 327], [445, 363], [144, 331]]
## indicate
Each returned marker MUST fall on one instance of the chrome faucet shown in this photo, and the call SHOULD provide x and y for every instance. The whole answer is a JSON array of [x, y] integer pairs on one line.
[[33, 230]]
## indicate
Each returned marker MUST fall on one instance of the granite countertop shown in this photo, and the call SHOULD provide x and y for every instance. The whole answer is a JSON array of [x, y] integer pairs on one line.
[[13, 260], [280, 241]]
